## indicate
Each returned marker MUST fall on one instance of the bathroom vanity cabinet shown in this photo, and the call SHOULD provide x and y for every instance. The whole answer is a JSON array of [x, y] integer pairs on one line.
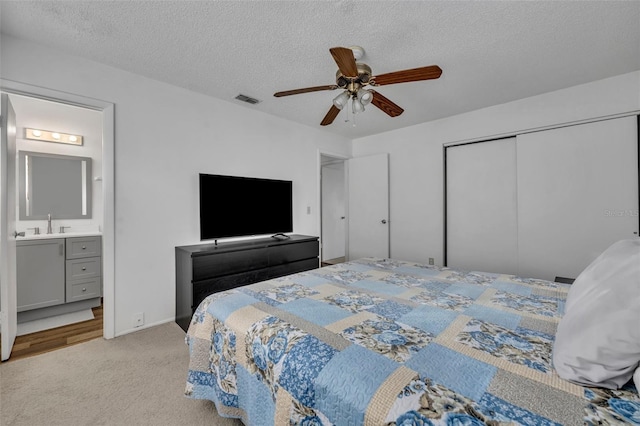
[[57, 276], [40, 273]]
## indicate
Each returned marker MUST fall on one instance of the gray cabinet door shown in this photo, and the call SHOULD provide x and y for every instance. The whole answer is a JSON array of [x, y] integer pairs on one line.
[[40, 273]]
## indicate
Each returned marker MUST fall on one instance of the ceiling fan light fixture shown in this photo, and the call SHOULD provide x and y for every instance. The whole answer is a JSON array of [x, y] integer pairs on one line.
[[357, 106], [365, 96], [341, 100]]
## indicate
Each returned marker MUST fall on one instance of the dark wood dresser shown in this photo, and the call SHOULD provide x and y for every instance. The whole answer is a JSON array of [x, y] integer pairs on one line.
[[204, 269]]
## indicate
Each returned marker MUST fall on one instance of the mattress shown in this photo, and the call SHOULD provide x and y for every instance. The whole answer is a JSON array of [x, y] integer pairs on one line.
[[391, 342]]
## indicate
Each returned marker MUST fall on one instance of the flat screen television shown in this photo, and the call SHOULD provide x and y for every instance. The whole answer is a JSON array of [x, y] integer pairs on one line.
[[234, 206]]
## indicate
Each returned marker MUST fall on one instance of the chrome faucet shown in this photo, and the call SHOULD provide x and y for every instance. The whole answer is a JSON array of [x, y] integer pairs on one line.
[[49, 230]]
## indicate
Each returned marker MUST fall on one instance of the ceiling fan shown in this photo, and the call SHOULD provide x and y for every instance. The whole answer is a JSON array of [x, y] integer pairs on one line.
[[354, 76]]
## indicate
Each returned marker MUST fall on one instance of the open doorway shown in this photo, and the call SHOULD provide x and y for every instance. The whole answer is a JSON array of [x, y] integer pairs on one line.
[[47, 297], [100, 178], [333, 209]]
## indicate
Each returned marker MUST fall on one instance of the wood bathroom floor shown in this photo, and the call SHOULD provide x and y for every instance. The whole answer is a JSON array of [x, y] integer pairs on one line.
[[333, 261], [57, 338]]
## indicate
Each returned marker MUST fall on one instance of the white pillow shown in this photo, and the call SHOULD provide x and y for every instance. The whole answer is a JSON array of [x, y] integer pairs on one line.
[[598, 339]]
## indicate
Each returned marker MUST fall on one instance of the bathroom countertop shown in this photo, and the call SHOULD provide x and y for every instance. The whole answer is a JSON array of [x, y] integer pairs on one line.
[[69, 234]]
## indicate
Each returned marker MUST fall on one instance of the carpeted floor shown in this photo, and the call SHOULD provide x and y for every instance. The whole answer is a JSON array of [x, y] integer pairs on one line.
[[136, 379]]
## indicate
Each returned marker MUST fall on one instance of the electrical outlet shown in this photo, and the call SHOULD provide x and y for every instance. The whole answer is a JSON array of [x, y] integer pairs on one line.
[[138, 319], [431, 261], [308, 209]]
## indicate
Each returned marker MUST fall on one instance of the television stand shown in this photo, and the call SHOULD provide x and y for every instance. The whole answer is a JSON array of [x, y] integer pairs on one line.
[[204, 269]]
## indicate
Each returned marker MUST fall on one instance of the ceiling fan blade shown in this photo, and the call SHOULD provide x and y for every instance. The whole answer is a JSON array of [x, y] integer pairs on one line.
[[331, 115], [305, 90], [345, 60], [415, 74], [386, 105]]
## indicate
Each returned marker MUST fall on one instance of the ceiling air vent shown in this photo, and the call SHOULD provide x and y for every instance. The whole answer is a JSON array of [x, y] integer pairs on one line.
[[247, 99]]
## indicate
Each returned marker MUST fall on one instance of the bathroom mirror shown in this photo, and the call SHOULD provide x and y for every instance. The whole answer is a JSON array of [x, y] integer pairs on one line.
[[59, 185]]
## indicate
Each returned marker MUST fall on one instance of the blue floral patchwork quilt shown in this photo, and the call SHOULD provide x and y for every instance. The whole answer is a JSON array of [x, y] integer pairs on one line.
[[388, 342]]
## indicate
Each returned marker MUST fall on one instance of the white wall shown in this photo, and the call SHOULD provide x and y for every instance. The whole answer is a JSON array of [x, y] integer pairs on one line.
[[45, 115], [164, 137], [416, 152]]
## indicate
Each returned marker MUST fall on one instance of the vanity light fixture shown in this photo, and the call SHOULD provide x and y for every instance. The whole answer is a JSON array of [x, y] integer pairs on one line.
[[47, 136]]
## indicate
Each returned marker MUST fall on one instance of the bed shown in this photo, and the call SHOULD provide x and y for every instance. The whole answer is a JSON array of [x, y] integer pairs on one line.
[[390, 342]]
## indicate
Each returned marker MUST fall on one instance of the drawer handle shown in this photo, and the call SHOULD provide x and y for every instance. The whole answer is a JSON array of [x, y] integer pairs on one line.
[[84, 247], [84, 268], [84, 289]]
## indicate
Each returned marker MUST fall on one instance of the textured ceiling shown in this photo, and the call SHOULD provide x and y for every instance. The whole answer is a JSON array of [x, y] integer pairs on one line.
[[490, 52]]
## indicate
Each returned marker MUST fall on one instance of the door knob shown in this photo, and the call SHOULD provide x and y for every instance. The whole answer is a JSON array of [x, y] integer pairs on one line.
[[384, 221]]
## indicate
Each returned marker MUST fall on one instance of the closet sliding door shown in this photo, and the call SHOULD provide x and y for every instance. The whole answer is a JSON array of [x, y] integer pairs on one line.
[[543, 204], [577, 194], [481, 231]]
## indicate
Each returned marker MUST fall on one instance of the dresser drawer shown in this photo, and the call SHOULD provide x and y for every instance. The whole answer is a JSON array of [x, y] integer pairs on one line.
[[210, 266], [79, 247], [87, 267], [83, 289], [279, 255]]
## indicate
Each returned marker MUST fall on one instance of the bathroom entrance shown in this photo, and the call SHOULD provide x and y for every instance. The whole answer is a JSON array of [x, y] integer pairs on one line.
[[54, 132]]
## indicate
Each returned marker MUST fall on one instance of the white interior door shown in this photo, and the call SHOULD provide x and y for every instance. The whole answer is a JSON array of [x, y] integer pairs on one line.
[[333, 211], [577, 194], [368, 207], [481, 207], [8, 290]]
